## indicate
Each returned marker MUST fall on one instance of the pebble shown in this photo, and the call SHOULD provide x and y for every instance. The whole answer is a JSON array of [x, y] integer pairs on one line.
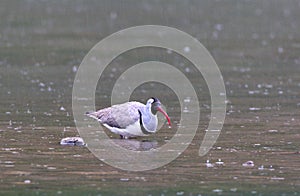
[[273, 131], [248, 164], [72, 141], [219, 162], [180, 193], [208, 164], [261, 167], [27, 181], [217, 190]]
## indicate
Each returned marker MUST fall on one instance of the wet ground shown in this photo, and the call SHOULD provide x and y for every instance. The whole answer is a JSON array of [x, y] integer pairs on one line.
[[256, 45]]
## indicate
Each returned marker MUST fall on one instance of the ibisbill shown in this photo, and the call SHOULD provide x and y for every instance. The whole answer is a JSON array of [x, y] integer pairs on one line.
[[131, 119]]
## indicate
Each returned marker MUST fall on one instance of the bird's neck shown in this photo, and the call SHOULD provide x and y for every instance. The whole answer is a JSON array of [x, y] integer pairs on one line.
[[149, 120]]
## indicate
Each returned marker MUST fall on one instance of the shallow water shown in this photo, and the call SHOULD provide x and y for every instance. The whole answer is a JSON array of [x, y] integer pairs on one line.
[[255, 45]]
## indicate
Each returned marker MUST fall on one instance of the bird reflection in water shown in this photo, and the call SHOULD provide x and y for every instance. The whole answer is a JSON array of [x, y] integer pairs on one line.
[[136, 145]]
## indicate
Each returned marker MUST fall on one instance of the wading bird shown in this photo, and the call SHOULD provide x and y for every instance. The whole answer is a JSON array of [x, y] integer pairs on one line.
[[132, 118]]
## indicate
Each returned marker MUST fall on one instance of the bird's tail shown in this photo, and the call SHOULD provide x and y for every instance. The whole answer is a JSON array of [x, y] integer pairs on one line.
[[92, 115], [88, 113]]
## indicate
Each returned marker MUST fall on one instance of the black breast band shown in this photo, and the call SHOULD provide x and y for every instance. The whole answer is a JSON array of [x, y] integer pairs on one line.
[[142, 126]]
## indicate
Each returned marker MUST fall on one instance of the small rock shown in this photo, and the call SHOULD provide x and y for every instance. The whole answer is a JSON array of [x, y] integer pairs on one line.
[[217, 190], [219, 162], [27, 181], [72, 141], [208, 164], [272, 131], [180, 193], [261, 167], [248, 164]]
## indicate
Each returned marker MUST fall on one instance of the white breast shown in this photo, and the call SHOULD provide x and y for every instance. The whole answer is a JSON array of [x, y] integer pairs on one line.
[[130, 131]]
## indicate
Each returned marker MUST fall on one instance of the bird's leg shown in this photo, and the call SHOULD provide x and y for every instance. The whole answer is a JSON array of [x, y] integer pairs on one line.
[[124, 137]]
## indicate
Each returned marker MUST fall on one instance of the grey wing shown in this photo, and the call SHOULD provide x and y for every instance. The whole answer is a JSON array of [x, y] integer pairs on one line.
[[119, 116]]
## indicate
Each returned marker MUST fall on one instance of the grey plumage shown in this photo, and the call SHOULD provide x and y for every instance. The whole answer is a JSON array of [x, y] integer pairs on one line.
[[132, 118], [120, 115]]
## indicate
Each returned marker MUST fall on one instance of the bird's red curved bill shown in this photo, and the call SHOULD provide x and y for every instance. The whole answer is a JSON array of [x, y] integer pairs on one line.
[[165, 114]]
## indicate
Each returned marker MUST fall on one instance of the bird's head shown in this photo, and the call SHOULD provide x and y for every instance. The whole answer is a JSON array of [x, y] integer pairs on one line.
[[155, 105]]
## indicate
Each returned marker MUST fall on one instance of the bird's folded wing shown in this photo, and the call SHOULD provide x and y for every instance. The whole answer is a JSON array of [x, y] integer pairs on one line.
[[119, 116]]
